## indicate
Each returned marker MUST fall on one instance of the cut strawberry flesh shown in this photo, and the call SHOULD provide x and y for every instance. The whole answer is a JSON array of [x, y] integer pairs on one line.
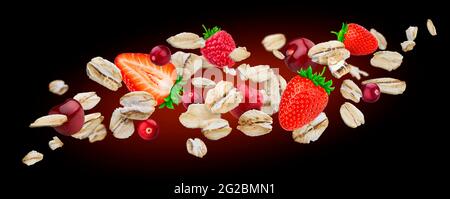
[[140, 74]]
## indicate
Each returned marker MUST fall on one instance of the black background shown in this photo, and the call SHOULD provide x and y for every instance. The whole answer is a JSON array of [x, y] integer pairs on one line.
[[401, 150]]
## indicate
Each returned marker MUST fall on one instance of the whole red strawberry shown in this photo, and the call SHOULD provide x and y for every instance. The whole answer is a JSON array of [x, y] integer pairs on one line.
[[305, 97], [218, 46], [357, 39]]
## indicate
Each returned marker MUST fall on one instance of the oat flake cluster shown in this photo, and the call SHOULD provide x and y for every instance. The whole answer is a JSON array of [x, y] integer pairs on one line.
[[222, 96]]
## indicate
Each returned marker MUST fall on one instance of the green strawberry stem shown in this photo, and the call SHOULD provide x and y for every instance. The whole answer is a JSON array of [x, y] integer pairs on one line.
[[174, 95], [340, 35], [210, 32], [317, 79]]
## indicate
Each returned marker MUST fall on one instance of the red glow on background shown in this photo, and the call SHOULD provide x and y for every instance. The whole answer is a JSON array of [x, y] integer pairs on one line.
[[168, 151]]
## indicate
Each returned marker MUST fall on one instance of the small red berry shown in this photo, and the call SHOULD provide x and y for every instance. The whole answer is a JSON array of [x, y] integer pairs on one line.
[[297, 54], [148, 129], [371, 92], [160, 55]]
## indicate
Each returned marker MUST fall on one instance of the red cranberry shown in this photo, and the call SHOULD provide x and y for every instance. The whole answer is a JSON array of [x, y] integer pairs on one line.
[[160, 55], [75, 116], [371, 92], [148, 129]]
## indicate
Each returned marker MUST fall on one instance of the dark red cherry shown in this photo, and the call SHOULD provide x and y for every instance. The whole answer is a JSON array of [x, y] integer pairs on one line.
[[160, 55], [75, 116], [296, 54]]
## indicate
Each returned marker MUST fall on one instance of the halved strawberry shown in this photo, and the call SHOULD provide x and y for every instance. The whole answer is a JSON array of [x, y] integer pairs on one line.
[[140, 74]]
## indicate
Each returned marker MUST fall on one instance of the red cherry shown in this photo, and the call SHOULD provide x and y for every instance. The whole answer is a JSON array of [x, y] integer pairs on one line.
[[148, 129], [371, 92], [160, 55], [252, 100], [75, 116], [191, 97], [297, 54]]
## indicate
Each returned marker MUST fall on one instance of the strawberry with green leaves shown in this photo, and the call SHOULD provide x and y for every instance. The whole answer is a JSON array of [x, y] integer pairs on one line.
[[357, 39], [305, 97], [218, 46]]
